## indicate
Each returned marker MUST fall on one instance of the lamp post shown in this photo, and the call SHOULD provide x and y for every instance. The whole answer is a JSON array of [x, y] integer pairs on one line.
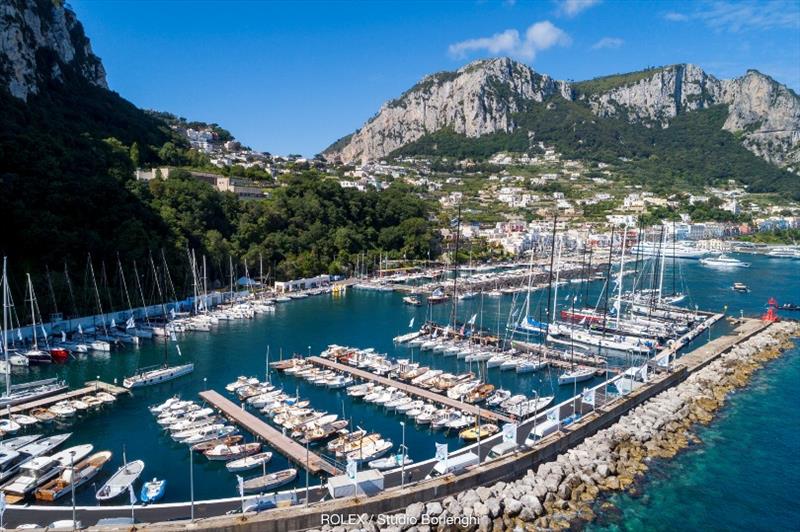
[[191, 481], [403, 457], [72, 487], [307, 472]]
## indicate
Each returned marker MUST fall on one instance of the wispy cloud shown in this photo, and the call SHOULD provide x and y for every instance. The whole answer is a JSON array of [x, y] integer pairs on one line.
[[570, 8], [724, 15], [608, 42], [539, 36], [672, 16]]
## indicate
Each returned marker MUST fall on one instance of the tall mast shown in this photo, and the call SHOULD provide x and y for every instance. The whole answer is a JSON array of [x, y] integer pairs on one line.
[[550, 274], [5, 325], [621, 273], [205, 285], [141, 292], [230, 268], [33, 311], [97, 295], [663, 262], [558, 275], [455, 269]]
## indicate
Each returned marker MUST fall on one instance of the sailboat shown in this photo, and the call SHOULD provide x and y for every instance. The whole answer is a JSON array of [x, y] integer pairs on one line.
[[164, 373], [30, 391]]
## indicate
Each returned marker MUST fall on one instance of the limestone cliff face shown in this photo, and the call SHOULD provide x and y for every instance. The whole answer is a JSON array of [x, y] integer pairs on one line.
[[477, 99], [39, 39], [764, 112], [483, 97], [768, 114]]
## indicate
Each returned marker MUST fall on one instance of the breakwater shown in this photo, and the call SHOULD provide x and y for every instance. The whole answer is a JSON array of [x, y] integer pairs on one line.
[[561, 491]]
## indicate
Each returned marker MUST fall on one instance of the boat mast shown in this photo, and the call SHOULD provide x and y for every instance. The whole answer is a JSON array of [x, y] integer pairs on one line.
[[141, 292], [552, 259], [558, 275], [455, 269], [230, 268], [33, 311], [125, 286], [205, 286], [96, 295], [621, 273], [663, 262], [5, 325]]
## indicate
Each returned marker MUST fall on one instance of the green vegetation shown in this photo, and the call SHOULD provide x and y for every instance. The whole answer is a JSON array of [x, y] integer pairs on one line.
[[67, 188], [777, 236], [607, 83], [693, 152]]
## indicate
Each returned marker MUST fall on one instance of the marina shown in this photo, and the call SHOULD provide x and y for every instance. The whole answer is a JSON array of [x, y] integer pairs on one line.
[[382, 316], [413, 390], [286, 446]]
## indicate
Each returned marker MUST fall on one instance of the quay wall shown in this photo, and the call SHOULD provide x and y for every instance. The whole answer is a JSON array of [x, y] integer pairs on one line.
[[395, 500]]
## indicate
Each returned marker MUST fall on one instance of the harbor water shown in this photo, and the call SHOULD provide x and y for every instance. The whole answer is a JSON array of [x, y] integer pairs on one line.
[[362, 318]]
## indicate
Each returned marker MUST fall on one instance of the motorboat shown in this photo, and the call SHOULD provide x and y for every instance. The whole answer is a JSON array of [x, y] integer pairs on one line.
[[233, 452], [479, 432], [270, 481], [73, 477], [157, 376], [723, 261], [390, 462], [153, 490], [576, 375], [120, 481], [248, 462]]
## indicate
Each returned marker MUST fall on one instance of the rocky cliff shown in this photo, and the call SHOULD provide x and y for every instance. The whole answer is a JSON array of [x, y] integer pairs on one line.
[[480, 98], [484, 97], [40, 41]]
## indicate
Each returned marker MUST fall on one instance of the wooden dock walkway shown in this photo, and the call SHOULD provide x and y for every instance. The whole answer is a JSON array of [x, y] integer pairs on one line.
[[90, 387], [274, 438], [410, 389]]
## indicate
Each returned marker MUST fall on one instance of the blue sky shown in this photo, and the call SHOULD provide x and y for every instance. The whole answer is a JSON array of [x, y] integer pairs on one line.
[[293, 77]]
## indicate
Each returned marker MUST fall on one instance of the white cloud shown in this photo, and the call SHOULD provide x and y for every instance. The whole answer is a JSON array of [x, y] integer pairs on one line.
[[608, 42], [672, 16], [539, 36], [723, 15], [570, 8]]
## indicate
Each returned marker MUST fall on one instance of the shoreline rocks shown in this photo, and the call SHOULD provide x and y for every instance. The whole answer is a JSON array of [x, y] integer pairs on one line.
[[561, 493]]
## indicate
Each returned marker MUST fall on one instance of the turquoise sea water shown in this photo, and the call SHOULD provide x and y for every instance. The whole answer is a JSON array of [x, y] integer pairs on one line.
[[360, 318], [745, 475]]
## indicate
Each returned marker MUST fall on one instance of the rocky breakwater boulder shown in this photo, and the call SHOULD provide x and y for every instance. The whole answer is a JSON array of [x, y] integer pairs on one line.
[[558, 493]]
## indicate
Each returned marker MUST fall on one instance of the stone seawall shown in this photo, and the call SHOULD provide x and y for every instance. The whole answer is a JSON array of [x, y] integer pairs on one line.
[[560, 492]]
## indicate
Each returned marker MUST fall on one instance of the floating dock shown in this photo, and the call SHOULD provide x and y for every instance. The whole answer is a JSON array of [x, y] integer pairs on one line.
[[90, 387], [273, 437], [410, 389]]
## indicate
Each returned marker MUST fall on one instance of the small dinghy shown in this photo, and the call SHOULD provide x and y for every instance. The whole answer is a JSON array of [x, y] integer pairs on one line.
[[270, 481], [390, 462], [120, 481], [153, 491], [24, 420], [9, 426], [248, 462]]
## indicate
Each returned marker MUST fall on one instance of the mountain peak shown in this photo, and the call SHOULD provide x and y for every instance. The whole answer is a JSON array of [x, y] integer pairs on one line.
[[479, 98], [43, 41]]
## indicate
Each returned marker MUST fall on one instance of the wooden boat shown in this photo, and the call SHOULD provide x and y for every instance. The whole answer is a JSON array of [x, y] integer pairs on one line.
[[356, 445], [206, 445], [485, 430], [73, 478], [333, 445], [269, 481], [120, 481], [43, 415], [248, 462], [479, 394], [325, 431], [234, 452]]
